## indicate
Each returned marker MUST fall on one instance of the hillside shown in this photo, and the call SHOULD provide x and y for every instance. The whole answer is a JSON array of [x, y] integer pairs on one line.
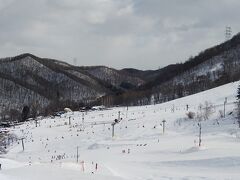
[[46, 85], [59, 149], [213, 67], [213, 60]]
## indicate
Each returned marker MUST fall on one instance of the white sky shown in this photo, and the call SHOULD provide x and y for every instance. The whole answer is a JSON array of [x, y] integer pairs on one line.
[[143, 34]]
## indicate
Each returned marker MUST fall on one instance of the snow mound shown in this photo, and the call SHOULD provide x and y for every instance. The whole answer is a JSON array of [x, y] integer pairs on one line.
[[194, 149], [10, 164], [96, 146], [218, 162]]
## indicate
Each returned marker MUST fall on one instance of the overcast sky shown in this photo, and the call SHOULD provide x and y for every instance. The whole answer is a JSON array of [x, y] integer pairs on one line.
[[144, 34]]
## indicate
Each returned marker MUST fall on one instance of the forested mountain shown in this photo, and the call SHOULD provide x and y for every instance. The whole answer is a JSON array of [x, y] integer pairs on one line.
[[115, 77], [210, 68], [46, 85]]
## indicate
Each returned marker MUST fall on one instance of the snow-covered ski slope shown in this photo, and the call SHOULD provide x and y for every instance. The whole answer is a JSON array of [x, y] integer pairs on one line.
[[138, 151]]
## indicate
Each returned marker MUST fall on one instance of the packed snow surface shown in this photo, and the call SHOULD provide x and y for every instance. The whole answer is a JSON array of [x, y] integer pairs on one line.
[[139, 150]]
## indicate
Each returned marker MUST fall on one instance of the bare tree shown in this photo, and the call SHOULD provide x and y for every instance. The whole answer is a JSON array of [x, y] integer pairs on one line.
[[207, 110]]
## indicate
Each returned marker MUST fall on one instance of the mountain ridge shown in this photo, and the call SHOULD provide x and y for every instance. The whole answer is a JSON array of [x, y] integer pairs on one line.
[[49, 84]]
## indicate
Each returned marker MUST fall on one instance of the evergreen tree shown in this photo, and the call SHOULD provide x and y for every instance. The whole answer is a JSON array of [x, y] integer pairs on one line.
[[238, 93], [25, 113], [238, 106]]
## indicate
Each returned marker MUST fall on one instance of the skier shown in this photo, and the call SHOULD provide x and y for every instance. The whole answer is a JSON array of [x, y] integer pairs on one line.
[[83, 166]]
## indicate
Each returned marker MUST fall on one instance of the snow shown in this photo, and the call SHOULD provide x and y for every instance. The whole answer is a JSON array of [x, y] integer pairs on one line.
[[139, 150]]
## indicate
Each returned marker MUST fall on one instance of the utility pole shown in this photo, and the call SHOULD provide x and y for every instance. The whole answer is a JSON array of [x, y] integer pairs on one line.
[[83, 120], [228, 33], [36, 122], [200, 134], [22, 143], [224, 106], [164, 121], [77, 154], [113, 124], [119, 115]]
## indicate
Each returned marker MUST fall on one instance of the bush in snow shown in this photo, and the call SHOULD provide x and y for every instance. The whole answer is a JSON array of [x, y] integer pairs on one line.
[[191, 115], [208, 110], [199, 116], [205, 111]]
